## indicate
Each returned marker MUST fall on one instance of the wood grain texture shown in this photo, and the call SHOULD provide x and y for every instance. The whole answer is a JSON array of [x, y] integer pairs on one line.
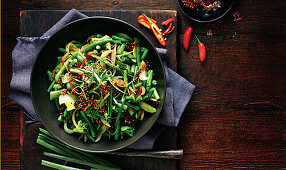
[[236, 117]]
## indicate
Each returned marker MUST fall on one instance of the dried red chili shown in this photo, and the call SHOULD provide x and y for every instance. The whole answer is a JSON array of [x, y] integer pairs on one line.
[[169, 28], [202, 50], [168, 21]]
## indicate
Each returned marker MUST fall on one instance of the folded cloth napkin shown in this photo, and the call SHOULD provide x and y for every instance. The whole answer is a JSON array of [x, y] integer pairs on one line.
[[178, 92]]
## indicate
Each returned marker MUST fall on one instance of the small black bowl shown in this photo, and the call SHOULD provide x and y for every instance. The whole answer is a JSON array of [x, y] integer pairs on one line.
[[47, 58], [199, 15]]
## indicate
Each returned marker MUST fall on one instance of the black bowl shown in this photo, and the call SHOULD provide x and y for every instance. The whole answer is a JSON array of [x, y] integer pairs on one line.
[[47, 58], [199, 15]]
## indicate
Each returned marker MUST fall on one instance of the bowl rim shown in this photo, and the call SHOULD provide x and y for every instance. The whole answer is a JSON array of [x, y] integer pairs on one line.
[[201, 21], [164, 84]]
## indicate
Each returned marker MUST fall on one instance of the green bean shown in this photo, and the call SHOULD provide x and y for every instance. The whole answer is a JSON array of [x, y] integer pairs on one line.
[[57, 104], [95, 43], [135, 107], [89, 137], [117, 126], [149, 80], [132, 68], [110, 102], [130, 97], [58, 75], [144, 55], [138, 85], [138, 57], [126, 60], [73, 62], [122, 35], [51, 86], [78, 45], [121, 49], [72, 70], [149, 94], [91, 128], [117, 42], [156, 95], [62, 50], [119, 38], [99, 35], [125, 76], [138, 99]]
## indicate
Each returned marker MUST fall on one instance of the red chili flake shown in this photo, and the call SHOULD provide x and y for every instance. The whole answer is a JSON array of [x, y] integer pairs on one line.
[[72, 87], [210, 32], [83, 61], [132, 110], [81, 73], [169, 28], [236, 16], [62, 60], [140, 90]]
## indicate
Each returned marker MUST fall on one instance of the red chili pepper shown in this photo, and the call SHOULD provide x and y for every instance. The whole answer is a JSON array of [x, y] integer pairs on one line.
[[82, 64], [140, 90], [62, 60], [202, 50], [142, 20], [157, 32], [168, 21], [169, 28], [130, 92], [80, 73], [132, 110], [187, 37], [72, 88]]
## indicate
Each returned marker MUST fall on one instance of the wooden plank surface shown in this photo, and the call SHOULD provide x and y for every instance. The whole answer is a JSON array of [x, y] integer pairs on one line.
[[30, 27], [236, 117]]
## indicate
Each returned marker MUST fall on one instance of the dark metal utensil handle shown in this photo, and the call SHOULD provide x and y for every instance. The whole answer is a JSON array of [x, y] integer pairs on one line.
[[170, 154]]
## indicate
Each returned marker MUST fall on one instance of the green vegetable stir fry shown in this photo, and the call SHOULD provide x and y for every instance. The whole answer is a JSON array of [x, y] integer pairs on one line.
[[103, 87]]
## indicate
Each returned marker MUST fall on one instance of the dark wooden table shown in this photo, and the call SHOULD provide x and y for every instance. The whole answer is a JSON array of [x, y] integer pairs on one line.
[[236, 117]]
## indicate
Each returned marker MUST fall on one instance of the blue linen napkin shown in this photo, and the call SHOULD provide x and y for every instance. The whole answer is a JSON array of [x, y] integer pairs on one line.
[[178, 92]]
